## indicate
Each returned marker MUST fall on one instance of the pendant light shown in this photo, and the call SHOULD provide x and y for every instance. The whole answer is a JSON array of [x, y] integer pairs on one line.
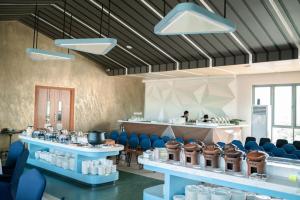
[[99, 46], [40, 55], [190, 18]]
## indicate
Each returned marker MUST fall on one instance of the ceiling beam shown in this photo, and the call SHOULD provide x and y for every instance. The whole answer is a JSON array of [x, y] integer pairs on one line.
[[233, 35]]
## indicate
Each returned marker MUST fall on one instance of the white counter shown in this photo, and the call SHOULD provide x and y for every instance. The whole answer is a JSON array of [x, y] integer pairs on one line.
[[200, 125], [88, 149], [275, 186]]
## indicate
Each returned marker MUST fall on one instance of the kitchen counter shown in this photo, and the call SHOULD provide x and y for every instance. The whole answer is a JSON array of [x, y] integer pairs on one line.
[[79, 153], [207, 132], [178, 176]]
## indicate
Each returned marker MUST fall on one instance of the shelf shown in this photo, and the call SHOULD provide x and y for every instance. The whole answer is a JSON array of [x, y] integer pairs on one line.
[[154, 193], [89, 179]]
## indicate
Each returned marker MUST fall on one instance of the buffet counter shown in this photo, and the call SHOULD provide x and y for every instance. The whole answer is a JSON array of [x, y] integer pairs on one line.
[[177, 176], [206, 132], [83, 163]]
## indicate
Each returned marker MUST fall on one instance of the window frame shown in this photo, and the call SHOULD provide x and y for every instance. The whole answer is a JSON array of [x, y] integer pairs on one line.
[[294, 105]]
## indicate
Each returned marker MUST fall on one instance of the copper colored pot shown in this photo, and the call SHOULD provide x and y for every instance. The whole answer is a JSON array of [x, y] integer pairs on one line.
[[256, 156], [172, 145], [233, 154], [191, 147], [211, 150]]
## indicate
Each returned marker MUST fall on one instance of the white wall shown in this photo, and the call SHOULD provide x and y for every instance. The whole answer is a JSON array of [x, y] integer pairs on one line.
[[167, 99]]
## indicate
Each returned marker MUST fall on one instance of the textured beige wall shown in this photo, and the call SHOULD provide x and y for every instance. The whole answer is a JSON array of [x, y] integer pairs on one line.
[[100, 100]]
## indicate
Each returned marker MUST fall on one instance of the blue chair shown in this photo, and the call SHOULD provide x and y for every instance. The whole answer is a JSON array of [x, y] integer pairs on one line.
[[248, 139], [8, 190], [289, 148], [278, 152], [133, 135], [191, 140], [153, 137], [252, 146], [133, 143], [145, 144], [263, 141], [159, 143], [180, 140], [114, 135], [268, 147], [123, 134], [165, 138], [221, 144], [142, 136], [297, 153], [123, 140], [297, 144], [281, 142], [238, 145], [31, 186], [290, 156], [14, 152]]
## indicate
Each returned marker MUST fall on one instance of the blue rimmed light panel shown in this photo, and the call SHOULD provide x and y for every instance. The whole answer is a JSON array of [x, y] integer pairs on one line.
[[98, 46], [42, 55], [189, 18]]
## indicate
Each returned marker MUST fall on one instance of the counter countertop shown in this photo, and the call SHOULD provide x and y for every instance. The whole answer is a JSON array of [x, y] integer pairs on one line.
[[273, 183], [202, 125], [97, 149]]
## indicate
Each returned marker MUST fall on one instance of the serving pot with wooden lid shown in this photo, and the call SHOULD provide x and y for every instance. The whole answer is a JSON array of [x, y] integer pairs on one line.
[[257, 156], [172, 144], [211, 149]]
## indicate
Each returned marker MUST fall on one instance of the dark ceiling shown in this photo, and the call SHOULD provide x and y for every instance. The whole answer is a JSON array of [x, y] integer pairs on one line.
[[260, 32]]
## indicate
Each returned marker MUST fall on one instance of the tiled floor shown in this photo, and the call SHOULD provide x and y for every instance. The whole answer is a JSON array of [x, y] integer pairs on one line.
[[129, 187]]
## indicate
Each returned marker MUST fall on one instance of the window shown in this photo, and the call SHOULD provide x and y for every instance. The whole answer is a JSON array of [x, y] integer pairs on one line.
[[285, 107], [262, 95]]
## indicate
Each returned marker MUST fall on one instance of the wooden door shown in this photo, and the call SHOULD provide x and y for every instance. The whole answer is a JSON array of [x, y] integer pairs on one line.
[[54, 106]]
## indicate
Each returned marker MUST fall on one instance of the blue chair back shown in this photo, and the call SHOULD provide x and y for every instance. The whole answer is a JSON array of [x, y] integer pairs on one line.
[[263, 141], [123, 140], [133, 142], [145, 144], [123, 134], [142, 136], [252, 145], [18, 171], [278, 152], [268, 147], [180, 140], [248, 139], [154, 137], [159, 143], [31, 186], [15, 150], [297, 144], [289, 148], [238, 144], [133, 135], [114, 135], [281, 142], [165, 138], [221, 144]]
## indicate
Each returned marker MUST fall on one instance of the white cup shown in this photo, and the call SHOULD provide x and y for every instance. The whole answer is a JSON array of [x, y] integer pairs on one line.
[[84, 167], [238, 195], [72, 163], [178, 197], [191, 192], [101, 170], [94, 169], [107, 169], [220, 195]]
